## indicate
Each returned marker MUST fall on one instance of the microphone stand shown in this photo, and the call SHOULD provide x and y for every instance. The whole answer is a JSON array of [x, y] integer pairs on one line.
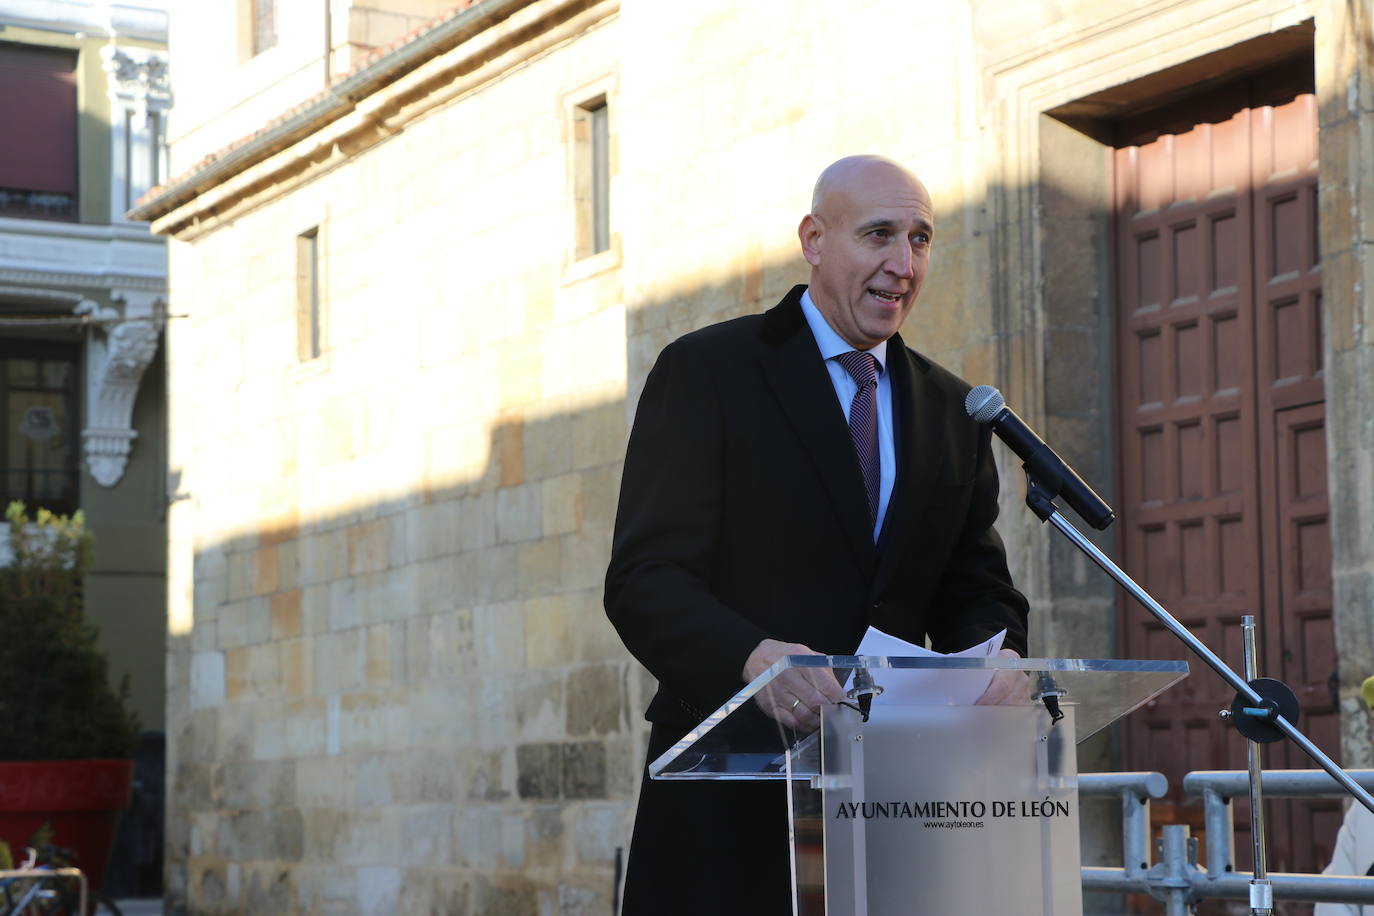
[[1263, 711]]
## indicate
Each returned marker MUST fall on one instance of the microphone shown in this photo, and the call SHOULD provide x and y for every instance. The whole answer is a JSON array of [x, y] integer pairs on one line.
[[985, 404]]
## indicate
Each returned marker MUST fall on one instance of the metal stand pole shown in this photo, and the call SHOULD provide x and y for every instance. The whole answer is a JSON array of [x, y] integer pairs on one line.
[[1261, 890], [1043, 507]]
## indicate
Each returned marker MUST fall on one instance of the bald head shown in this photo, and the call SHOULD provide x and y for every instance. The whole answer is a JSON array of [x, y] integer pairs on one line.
[[867, 239], [843, 175]]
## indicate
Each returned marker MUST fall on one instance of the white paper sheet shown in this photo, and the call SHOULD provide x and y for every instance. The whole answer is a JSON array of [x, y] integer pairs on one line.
[[938, 687]]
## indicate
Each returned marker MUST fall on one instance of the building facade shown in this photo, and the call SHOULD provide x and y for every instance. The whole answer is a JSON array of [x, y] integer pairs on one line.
[[427, 257], [84, 92]]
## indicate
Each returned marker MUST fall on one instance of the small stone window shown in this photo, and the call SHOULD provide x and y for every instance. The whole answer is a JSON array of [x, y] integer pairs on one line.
[[309, 318], [592, 176]]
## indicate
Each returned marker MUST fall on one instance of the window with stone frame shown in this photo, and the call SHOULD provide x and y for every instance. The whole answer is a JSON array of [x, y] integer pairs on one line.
[[592, 176], [309, 308], [39, 426]]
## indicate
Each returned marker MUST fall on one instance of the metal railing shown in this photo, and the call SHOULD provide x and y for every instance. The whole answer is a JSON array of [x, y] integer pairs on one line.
[[1176, 878]]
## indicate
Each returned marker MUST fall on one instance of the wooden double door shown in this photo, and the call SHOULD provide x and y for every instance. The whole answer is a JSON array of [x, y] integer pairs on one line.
[[1221, 432]]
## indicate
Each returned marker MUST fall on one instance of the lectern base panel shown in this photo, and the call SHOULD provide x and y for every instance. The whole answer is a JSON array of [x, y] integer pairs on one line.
[[939, 811]]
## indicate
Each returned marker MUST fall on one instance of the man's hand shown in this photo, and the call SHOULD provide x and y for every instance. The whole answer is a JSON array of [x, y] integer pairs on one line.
[[794, 697], [1008, 688]]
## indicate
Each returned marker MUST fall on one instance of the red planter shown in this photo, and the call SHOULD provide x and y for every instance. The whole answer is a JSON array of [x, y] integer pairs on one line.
[[80, 799]]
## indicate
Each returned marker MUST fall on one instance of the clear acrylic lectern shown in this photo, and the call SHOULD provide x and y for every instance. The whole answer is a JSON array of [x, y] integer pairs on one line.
[[935, 805]]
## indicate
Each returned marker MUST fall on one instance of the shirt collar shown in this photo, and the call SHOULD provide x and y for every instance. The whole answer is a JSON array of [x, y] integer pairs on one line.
[[831, 344]]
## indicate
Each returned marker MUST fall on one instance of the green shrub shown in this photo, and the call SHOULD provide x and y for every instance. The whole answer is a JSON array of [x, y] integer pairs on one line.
[[56, 701]]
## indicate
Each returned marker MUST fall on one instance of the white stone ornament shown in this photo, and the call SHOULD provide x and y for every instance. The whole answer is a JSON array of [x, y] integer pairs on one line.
[[116, 364]]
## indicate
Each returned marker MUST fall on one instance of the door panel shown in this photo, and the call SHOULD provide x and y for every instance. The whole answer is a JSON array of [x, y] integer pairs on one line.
[[1221, 430]]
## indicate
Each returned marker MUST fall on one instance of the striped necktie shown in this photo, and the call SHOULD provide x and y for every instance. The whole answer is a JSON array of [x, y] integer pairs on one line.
[[863, 420]]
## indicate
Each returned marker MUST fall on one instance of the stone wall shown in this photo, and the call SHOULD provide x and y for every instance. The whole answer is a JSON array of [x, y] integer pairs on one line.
[[394, 687]]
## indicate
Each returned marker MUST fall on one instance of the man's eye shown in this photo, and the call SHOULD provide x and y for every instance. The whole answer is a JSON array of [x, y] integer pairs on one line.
[[920, 238]]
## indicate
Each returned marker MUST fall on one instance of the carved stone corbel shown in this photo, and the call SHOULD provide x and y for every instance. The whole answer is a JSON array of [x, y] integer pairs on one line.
[[118, 352]]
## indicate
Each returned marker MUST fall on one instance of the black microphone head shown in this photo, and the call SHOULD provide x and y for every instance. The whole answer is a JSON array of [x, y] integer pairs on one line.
[[983, 403]]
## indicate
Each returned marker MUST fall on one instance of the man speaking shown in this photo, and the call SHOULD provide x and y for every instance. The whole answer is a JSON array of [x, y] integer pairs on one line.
[[792, 478]]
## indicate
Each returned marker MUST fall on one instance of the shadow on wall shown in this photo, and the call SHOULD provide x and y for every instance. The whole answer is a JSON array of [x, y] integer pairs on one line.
[[383, 665]]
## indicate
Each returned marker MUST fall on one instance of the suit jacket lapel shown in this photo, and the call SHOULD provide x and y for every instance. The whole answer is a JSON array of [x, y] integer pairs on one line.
[[796, 373], [917, 425]]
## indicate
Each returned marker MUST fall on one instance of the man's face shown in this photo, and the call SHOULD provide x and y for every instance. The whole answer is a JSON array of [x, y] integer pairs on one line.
[[868, 244]]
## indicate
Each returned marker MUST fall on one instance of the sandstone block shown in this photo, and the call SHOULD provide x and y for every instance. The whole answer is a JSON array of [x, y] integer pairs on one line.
[[304, 728], [236, 678], [508, 448], [264, 570], [561, 502], [234, 735], [267, 888], [518, 513], [575, 900], [599, 435], [338, 663], [498, 632], [584, 560], [594, 639], [439, 532], [624, 761], [537, 702], [540, 566], [342, 611], [388, 596], [600, 494], [241, 575], [477, 521], [485, 576], [426, 776], [511, 897], [315, 609], [326, 782], [598, 829], [323, 556], [269, 834], [485, 775], [371, 723], [207, 882], [436, 586], [257, 621], [427, 835], [380, 654], [285, 610], [539, 770], [368, 546], [544, 837], [208, 679], [547, 636], [203, 826], [595, 700], [326, 888], [475, 826], [259, 784], [584, 769]]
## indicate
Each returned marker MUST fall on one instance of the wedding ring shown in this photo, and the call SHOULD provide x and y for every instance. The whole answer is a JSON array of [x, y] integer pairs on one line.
[[796, 702]]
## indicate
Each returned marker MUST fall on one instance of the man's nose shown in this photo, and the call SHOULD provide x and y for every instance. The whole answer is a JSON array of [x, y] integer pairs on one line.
[[902, 263]]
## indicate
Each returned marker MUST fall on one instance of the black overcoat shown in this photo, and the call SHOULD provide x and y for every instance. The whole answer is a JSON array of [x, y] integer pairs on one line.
[[742, 516]]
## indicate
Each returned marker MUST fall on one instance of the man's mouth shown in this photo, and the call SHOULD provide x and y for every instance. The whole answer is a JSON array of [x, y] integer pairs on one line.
[[884, 296]]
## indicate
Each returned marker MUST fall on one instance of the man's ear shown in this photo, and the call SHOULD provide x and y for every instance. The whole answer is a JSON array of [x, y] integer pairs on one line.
[[810, 232]]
